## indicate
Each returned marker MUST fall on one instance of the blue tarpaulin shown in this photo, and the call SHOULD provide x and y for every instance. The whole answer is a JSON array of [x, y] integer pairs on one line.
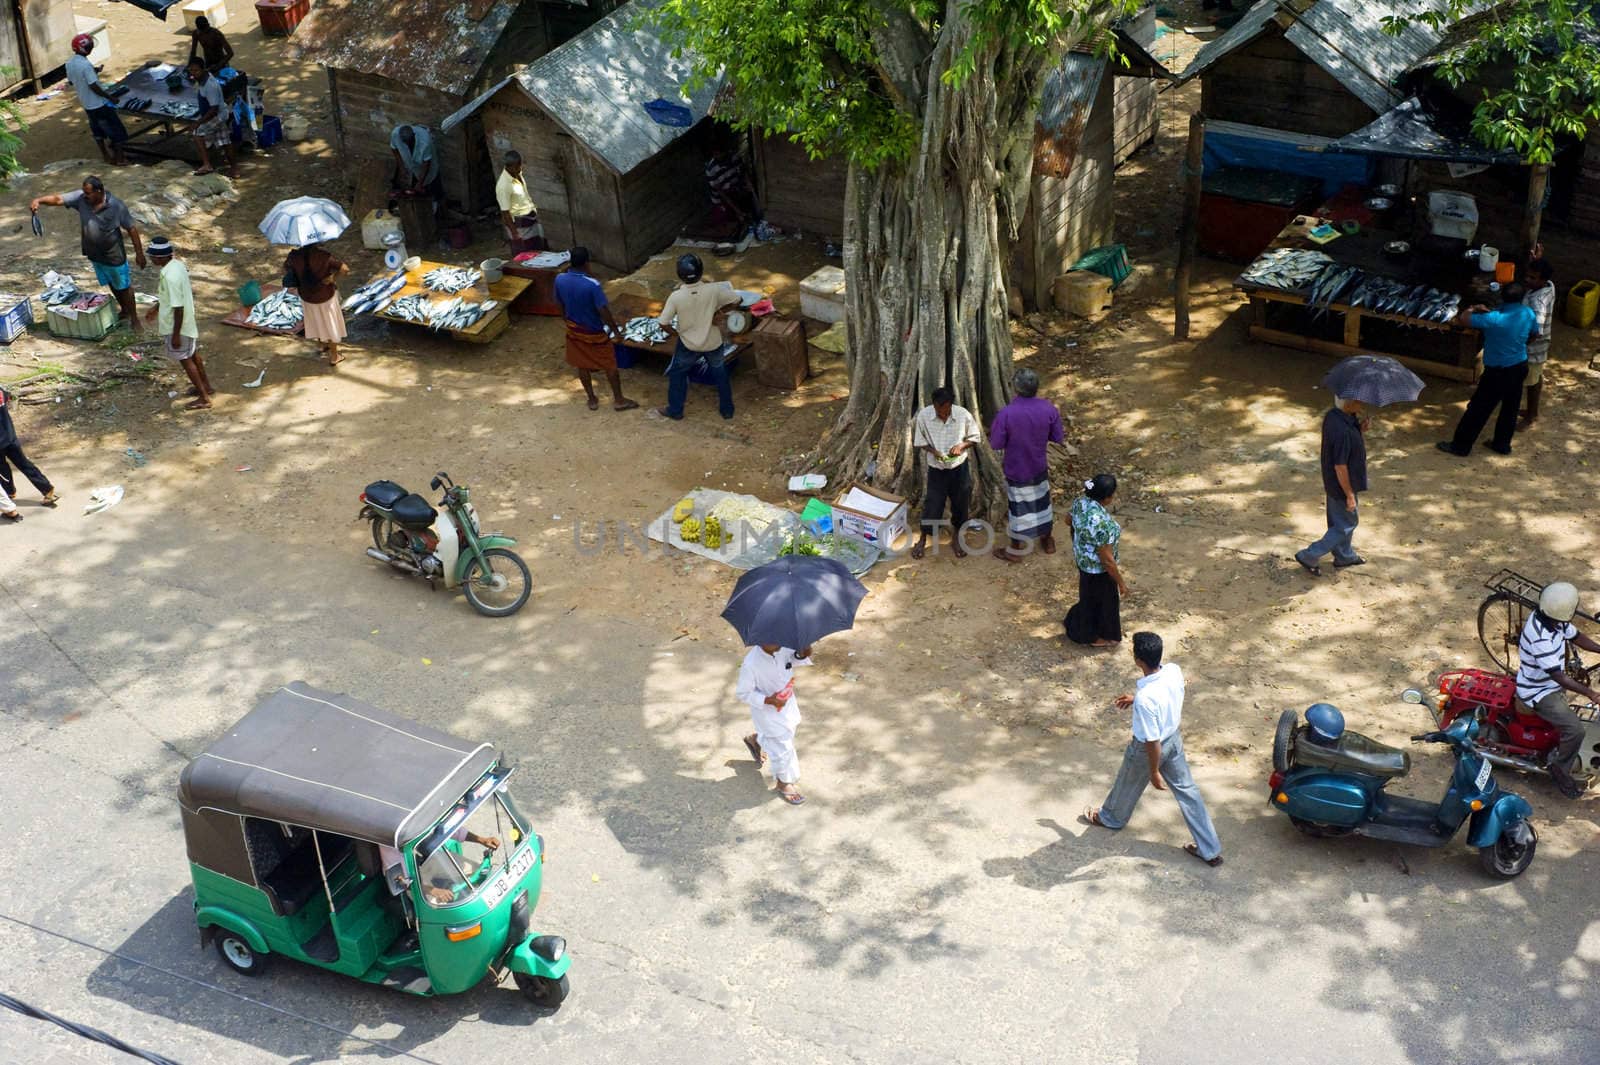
[[1230, 144], [158, 8]]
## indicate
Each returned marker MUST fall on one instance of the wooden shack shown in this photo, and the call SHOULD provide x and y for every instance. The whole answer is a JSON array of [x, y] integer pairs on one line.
[[35, 42], [417, 63], [1136, 106], [799, 193], [600, 167]]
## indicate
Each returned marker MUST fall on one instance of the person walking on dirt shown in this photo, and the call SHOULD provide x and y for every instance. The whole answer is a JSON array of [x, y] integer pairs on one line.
[[1155, 754], [590, 327], [104, 219], [766, 685], [11, 455], [1344, 477], [1541, 676], [1506, 333], [1024, 430], [946, 433], [104, 122], [180, 332]]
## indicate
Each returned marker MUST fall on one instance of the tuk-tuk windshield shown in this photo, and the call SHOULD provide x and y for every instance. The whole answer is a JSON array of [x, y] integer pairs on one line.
[[472, 844]]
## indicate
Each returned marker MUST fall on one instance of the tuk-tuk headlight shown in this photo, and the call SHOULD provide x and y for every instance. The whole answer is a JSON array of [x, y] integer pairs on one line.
[[550, 948], [463, 931]]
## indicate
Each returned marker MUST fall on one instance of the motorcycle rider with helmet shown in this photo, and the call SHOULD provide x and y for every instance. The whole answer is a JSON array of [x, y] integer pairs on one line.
[[695, 304], [1541, 676]]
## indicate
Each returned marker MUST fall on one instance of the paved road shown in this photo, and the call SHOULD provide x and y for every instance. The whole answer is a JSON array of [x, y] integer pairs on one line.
[[936, 901]]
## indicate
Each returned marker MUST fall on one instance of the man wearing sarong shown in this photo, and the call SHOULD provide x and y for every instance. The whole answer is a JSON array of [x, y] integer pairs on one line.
[[1023, 430], [214, 130], [517, 213], [590, 328]]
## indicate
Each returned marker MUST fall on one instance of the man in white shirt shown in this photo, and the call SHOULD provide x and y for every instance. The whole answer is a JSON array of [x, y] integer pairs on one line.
[[695, 304], [945, 432], [1541, 676], [104, 121], [766, 685], [179, 329], [1155, 754], [214, 129], [517, 213], [1541, 300]]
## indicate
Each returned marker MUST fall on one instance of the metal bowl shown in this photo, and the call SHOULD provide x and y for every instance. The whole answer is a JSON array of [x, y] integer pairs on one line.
[[1396, 249], [1379, 203]]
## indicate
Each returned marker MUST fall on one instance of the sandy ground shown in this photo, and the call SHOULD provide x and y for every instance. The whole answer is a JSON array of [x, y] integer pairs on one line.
[[937, 899]]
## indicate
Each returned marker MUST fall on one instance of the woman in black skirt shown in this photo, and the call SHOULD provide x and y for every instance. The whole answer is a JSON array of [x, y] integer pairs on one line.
[[1096, 619]]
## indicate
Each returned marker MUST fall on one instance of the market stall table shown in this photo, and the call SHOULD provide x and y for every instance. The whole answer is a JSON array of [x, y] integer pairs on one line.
[[626, 307], [504, 292], [170, 115], [540, 298], [1439, 348], [239, 317]]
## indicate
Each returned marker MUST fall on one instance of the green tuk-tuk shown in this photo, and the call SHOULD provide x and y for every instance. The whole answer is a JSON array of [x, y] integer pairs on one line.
[[346, 837]]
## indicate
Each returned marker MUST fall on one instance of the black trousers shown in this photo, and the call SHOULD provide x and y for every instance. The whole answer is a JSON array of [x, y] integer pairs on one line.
[[13, 456], [954, 486], [1499, 385], [1097, 615]]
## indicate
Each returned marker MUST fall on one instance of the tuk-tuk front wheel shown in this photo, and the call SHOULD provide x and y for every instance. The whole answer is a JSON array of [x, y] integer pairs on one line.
[[543, 991], [238, 955]]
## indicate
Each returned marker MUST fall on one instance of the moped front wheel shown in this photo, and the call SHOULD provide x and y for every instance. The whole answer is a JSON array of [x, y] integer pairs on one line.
[[1506, 859], [497, 585]]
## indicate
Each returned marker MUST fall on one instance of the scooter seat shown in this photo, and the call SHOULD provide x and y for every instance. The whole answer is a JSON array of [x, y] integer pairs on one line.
[[1353, 753], [414, 512], [384, 494]]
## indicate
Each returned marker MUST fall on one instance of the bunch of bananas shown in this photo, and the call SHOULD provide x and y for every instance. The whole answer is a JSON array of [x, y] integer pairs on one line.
[[689, 530], [712, 534], [684, 510]]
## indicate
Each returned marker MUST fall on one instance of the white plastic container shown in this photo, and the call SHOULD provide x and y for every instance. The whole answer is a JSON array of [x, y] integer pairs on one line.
[[295, 128], [215, 11], [96, 28], [378, 226], [1453, 214], [1488, 258], [822, 295]]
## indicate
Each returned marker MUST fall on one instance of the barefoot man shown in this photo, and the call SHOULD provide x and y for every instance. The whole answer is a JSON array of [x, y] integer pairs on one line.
[[590, 328], [180, 333], [766, 685]]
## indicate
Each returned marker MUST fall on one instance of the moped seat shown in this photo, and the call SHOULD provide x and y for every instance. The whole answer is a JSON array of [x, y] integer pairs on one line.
[[384, 494], [414, 512], [1353, 753]]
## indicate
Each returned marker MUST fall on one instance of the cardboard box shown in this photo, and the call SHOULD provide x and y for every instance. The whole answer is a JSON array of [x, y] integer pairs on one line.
[[871, 516]]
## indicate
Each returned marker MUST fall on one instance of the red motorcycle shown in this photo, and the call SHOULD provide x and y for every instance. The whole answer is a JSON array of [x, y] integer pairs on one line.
[[1511, 736]]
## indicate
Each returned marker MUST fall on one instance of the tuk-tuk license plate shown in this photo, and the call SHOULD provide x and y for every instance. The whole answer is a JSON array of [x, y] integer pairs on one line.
[[510, 878]]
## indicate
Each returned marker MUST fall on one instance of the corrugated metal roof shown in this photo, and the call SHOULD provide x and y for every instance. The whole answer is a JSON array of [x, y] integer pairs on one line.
[[596, 86], [1482, 22], [1344, 37], [435, 43], [1065, 100]]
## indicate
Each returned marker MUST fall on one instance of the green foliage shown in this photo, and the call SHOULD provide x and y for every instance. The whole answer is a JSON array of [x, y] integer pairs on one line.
[[813, 68], [1535, 67], [11, 125]]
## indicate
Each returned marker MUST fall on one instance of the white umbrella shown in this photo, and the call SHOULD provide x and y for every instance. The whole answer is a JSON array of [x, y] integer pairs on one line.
[[304, 220]]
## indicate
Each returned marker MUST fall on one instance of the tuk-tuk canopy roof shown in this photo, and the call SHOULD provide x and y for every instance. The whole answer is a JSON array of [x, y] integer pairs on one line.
[[335, 764]]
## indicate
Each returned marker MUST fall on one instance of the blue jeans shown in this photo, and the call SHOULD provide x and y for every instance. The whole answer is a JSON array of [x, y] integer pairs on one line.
[[683, 361], [1135, 774], [1341, 528]]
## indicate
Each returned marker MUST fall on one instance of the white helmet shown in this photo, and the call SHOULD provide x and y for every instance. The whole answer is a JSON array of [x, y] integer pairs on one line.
[[1558, 601]]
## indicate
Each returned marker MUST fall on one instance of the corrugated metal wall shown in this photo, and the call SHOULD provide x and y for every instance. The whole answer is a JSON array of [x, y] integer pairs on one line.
[[1135, 114], [1068, 216], [366, 110]]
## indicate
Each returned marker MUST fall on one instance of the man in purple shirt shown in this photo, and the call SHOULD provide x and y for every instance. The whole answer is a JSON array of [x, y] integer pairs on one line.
[[1023, 430]]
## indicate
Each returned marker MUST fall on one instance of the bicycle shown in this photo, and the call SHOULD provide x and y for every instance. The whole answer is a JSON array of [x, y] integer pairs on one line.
[[1512, 598]]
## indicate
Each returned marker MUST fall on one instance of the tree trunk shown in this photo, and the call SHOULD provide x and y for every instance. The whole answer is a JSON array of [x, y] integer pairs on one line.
[[927, 244]]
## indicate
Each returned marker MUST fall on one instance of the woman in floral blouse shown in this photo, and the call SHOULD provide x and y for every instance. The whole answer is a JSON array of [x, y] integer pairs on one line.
[[1096, 619]]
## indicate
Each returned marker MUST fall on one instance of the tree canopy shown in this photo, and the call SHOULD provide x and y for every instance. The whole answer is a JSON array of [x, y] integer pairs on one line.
[[1535, 65]]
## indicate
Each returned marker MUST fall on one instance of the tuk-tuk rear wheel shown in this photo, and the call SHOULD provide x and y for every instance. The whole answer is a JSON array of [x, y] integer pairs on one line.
[[238, 955], [541, 990]]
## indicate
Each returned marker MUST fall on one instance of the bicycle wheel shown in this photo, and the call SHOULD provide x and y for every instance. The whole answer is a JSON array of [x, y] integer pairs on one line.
[[1500, 620]]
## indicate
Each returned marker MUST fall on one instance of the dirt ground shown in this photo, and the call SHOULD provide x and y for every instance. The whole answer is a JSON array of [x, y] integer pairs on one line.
[[1215, 441]]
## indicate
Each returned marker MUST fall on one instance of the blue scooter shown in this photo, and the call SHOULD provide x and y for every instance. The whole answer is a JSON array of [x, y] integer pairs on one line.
[[1330, 782]]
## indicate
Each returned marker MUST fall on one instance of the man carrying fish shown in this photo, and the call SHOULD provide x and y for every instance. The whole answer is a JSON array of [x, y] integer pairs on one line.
[[104, 219], [1506, 333]]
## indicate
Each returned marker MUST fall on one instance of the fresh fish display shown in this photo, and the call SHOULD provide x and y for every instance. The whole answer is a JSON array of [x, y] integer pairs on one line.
[[281, 310], [371, 297], [412, 308], [644, 330], [450, 279], [459, 314], [1286, 269]]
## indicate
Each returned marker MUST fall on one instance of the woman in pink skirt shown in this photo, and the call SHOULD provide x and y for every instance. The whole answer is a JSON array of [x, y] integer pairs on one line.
[[314, 273]]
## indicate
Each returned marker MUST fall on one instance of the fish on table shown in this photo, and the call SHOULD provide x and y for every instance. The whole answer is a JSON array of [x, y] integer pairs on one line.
[[281, 310]]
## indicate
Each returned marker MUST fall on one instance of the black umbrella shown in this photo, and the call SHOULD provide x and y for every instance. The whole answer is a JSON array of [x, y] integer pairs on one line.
[[1376, 380], [794, 601]]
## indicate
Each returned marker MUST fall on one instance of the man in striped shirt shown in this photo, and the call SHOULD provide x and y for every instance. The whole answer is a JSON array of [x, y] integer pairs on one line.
[[1541, 676]]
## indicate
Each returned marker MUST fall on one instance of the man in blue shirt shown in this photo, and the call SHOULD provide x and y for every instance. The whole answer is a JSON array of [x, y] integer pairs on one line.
[[1506, 333], [590, 328]]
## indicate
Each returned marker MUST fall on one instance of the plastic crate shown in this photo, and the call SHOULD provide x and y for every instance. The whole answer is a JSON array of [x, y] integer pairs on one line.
[[16, 319], [86, 325], [1110, 261]]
